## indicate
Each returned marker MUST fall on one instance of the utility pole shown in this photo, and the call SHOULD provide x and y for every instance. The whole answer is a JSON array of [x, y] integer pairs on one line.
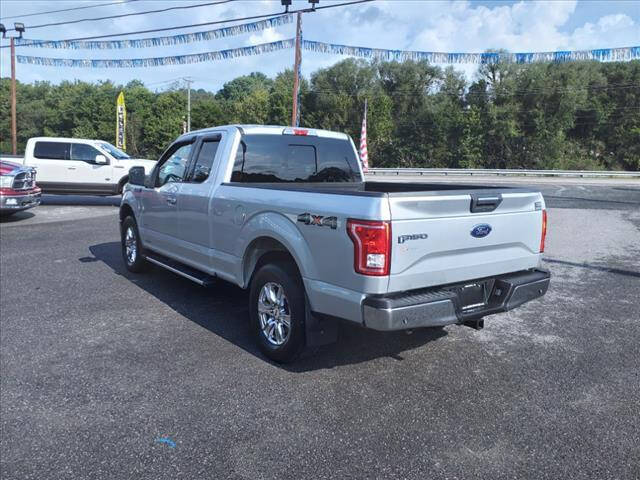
[[295, 114], [14, 127], [188, 81], [18, 27]]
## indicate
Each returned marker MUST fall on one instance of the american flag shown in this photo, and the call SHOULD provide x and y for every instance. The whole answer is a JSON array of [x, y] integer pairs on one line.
[[364, 156]]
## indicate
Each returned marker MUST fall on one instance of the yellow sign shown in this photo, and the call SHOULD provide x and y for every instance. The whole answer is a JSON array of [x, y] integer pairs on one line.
[[121, 123]]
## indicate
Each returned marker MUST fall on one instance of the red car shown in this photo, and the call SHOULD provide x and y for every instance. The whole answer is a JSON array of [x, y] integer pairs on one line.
[[18, 189]]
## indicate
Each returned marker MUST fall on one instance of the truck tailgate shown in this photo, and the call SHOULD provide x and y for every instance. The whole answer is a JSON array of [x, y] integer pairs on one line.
[[436, 242]]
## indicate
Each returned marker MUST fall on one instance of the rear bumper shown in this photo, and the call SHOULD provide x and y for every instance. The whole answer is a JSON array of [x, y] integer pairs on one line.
[[14, 203], [440, 306]]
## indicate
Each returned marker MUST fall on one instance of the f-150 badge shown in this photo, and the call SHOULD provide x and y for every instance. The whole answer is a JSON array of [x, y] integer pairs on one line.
[[318, 220], [413, 236]]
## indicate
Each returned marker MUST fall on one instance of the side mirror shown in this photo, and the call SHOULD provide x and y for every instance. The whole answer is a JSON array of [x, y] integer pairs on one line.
[[101, 160], [201, 173], [136, 176]]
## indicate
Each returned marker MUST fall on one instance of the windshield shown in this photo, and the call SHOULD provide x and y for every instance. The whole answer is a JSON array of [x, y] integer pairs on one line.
[[115, 152]]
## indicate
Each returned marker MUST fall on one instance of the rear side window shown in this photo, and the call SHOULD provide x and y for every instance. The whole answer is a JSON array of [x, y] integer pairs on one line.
[[285, 158], [84, 152], [51, 150], [204, 163]]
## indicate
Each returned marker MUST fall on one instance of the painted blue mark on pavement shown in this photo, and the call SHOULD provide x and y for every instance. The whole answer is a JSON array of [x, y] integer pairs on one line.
[[166, 440]]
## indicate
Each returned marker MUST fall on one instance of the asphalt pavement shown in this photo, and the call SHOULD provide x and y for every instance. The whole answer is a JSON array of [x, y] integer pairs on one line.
[[107, 374]]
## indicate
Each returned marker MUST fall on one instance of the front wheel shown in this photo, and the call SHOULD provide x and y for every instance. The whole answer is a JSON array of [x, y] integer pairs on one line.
[[277, 311], [132, 247]]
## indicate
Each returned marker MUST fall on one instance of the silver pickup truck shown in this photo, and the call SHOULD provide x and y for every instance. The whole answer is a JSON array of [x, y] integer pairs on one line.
[[287, 213]]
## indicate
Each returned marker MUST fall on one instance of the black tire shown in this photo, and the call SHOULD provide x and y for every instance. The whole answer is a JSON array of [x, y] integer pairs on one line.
[[285, 275], [135, 263], [121, 185]]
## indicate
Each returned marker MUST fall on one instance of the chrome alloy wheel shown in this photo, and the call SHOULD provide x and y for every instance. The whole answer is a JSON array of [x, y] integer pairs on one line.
[[130, 246], [274, 313]]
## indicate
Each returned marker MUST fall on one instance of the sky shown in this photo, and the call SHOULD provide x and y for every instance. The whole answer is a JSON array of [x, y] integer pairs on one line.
[[446, 26]]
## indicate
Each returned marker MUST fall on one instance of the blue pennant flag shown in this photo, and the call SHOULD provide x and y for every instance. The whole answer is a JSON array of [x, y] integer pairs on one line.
[[159, 41], [159, 61], [601, 55]]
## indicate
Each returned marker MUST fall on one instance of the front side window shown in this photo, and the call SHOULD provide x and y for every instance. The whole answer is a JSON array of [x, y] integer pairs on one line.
[[51, 150], [204, 163], [84, 152], [175, 167]]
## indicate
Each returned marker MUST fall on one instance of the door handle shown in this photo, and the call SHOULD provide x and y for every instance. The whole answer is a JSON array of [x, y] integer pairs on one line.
[[71, 168], [172, 200]]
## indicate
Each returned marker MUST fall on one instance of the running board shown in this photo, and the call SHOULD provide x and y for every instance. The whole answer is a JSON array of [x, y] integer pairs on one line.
[[185, 271]]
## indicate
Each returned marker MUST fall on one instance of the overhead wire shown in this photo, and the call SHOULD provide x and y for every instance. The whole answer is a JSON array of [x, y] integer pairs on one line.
[[215, 22], [487, 94], [579, 119], [130, 14], [120, 2]]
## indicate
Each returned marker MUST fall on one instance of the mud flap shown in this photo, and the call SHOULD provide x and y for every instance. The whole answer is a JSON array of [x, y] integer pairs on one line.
[[319, 331]]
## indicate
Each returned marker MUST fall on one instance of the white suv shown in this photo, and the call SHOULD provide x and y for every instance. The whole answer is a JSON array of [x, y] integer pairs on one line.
[[82, 166]]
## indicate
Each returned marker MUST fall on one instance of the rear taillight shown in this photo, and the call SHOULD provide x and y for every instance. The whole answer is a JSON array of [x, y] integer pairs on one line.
[[372, 246], [544, 230]]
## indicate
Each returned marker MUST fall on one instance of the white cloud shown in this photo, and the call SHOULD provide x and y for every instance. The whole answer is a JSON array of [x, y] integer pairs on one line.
[[416, 25], [265, 36], [619, 30]]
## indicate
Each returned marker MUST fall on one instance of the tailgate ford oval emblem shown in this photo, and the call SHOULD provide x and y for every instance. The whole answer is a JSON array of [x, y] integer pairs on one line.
[[481, 230]]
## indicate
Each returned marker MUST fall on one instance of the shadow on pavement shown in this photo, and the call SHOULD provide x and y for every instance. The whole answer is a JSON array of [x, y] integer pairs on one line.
[[597, 200], [81, 200], [16, 217], [222, 309], [618, 271]]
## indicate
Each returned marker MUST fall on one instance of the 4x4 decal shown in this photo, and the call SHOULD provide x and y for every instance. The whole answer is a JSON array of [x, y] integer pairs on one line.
[[318, 220]]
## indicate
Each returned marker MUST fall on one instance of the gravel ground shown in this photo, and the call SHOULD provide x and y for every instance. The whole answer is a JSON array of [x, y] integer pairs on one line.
[[105, 374]]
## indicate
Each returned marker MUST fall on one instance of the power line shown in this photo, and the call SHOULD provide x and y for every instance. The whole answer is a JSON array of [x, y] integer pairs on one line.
[[334, 5], [469, 94], [179, 7], [171, 80], [70, 9], [216, 22]]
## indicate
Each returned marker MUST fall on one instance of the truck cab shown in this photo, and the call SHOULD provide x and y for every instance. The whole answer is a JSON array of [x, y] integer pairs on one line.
[[80, 166]]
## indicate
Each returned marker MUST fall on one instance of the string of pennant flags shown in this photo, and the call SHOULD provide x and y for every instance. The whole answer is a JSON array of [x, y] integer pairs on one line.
[[160, 61], [181, 39], [603, 54]]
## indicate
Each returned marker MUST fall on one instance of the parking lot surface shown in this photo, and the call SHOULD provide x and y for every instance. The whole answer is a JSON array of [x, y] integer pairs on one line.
[[107, 374]]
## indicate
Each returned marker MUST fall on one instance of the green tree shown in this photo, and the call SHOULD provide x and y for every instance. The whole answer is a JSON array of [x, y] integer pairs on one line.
[[582, 115]]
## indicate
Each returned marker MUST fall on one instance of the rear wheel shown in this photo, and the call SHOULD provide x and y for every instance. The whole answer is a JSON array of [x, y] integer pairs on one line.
[[277, 311], [132, 247]]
